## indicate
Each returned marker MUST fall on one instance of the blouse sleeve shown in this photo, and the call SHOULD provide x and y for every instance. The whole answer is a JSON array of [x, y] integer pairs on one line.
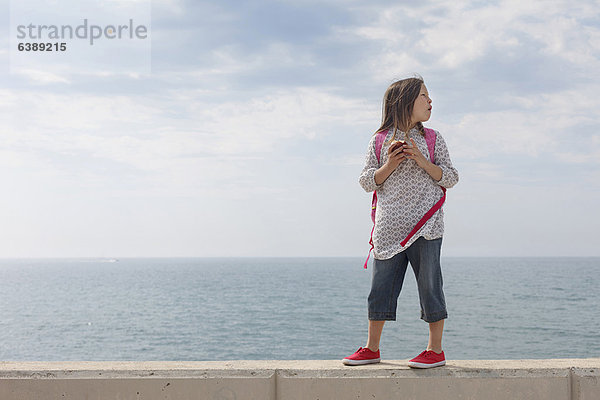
[[367, 177], [442, 160]]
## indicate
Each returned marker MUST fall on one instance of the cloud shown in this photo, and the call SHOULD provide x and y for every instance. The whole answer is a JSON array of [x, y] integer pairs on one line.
[[173, 140], [547, 124], [487, 46], [42, 77]]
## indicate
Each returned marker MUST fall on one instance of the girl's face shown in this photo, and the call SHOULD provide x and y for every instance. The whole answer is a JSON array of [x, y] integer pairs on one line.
[[422, 107]]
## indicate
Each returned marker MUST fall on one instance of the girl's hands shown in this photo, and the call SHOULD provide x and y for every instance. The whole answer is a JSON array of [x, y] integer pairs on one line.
[[412, 152], [401, 154], [395, 156]]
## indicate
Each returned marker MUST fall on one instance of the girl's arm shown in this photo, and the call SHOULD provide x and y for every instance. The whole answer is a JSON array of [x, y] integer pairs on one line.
[[367, 176], [383, 173], [433, 170], [449, 176]]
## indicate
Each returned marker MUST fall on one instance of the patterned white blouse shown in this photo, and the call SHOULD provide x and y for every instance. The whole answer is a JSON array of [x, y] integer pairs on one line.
[[406, 195]]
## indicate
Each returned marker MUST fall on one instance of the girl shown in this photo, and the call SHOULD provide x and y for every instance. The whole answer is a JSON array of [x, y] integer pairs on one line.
[[408, 185]]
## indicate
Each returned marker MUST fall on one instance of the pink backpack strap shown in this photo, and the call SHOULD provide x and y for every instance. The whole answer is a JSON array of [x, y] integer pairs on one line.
[[430, 137], [379, 139], [425, 217]]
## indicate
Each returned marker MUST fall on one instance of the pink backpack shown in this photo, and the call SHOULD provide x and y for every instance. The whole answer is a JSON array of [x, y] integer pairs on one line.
[[430, 139]]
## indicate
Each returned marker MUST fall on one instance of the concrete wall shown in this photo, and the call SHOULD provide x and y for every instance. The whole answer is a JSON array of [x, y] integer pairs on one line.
[[576, 379]]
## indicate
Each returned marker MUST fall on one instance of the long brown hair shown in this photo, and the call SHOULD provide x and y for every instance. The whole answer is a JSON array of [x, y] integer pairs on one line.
[[398, 104]]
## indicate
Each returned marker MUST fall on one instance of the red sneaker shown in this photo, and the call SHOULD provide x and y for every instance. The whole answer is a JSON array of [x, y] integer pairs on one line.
[[428, 359], [362, 356]]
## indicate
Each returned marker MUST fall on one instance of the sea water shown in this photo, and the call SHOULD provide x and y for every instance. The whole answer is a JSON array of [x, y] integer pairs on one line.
[[288, 308]]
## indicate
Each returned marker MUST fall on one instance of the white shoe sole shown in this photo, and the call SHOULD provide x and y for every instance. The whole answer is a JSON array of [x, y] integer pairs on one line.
[[421, 365], [360, 362]]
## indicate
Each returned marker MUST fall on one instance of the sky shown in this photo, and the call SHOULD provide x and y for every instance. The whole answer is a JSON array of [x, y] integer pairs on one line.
[[239, 129]]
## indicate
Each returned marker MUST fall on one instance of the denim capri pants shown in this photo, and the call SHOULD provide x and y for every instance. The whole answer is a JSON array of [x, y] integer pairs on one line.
[[388, 276]]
